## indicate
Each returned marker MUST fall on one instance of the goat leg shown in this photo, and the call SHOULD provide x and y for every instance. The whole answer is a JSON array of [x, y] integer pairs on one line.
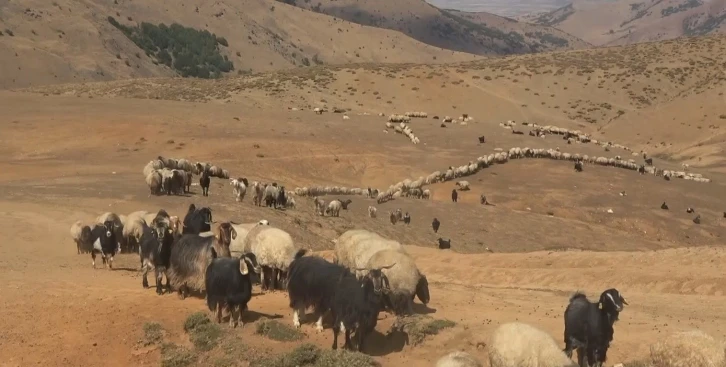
[[336, 331]]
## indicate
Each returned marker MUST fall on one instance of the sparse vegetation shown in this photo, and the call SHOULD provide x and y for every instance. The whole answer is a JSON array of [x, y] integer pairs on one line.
[[153, 333], [418, 327], [311, 355], [196, 319], [173, 355], [276, 330], [192, 53], [681, 7]]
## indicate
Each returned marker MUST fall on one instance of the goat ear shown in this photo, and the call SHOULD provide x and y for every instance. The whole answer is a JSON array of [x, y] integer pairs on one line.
[[243, 267], [234, 233]]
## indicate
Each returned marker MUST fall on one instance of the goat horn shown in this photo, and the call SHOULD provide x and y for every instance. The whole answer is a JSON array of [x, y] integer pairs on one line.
[[625, 302], [386, 267]]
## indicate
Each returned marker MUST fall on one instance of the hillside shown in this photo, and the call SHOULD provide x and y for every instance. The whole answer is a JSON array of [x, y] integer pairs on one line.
[[70, 41], [477, 33], [507, 8], [625, 22], [591, 89]]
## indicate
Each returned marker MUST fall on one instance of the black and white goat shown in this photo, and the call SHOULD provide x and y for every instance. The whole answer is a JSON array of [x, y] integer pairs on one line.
[[229, 285], [104, 242], [311, 282], [589, 326]]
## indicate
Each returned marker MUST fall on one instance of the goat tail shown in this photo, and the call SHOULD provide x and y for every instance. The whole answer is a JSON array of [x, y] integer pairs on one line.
[[300, 253], [578, 295]]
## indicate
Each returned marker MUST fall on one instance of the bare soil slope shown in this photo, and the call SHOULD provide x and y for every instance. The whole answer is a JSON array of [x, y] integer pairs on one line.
[[477, 33], [47, 42], [626, 22], [71, 152]]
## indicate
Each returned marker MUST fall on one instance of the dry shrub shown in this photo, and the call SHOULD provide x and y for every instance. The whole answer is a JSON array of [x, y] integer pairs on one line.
[[173, 355], [276, 330], [417, 327], [688, 349], [312, 356]]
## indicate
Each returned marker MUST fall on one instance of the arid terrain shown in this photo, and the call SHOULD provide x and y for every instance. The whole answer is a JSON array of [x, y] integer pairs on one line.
[[71, 150], [620, 22]]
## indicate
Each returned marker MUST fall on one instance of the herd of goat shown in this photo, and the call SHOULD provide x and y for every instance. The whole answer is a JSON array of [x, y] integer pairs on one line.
[[369, 274]]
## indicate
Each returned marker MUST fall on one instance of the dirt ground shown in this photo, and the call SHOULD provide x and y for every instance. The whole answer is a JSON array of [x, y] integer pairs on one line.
[[67, 158]]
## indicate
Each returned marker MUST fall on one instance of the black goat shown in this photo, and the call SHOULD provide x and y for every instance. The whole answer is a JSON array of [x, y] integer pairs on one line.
[[664, 206], [312, 282], [155, 251], [578, 166], [482, 139], [356, 305], [641, 169], [345, 203], [435, 224], [197, 220], [228, 284], [454, 195], [406, 218], [281, 201], [204, 182], [104, 242], [649, 161], [589, 326], [444, 244]]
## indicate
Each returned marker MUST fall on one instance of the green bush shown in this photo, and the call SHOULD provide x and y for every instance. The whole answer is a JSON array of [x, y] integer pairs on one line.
[[191, 52]]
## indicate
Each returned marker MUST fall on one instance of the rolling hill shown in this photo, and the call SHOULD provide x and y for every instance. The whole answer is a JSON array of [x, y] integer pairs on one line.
[[74, 41], [477, 33], [624, 22]]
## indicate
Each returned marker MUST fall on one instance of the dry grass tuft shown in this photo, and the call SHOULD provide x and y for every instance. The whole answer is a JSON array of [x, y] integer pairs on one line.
[[276, 330], [688, 349], [418, 327]]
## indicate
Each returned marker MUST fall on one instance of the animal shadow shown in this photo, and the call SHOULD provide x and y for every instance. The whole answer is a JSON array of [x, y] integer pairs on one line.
[[419, 308]]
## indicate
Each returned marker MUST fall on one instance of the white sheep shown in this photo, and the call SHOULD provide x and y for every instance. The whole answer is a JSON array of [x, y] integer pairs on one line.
[[404, 278], [463, 185], [517, 344], [274, 249], [685, 349], [81, 235], [237, 245], [372, 211], [458, 359], [333, 208], [238, 189], [346, 117], [354, 250], [133, 228]]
